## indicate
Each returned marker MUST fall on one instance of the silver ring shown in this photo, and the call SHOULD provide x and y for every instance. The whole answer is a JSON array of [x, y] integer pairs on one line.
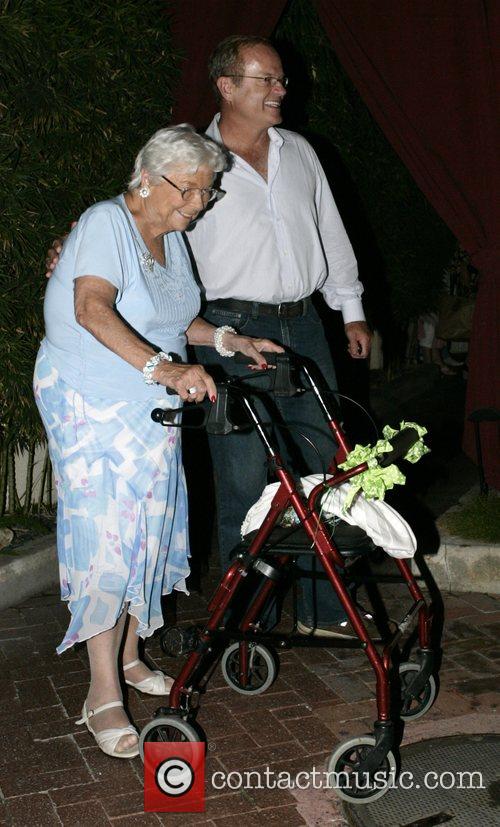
[[192, 391]]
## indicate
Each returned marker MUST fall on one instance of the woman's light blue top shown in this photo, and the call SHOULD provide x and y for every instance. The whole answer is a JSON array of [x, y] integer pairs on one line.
[[159, 303]]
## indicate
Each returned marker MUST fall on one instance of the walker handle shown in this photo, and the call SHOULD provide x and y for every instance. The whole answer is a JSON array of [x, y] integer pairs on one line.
[[214, 417], [283, 382], [401, 444], [165, 416], [269, 356]]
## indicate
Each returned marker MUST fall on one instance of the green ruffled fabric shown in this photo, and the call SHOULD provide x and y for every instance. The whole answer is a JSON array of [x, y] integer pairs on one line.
[[375, 481]]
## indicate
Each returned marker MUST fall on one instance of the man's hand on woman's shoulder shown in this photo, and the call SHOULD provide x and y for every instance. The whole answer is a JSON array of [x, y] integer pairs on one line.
[[54, 252]]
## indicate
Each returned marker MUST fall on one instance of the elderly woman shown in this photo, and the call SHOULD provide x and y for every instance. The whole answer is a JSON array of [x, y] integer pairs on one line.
[[121, 300]]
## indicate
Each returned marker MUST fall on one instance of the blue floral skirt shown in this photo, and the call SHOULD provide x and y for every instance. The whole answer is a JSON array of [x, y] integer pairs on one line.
[[122, 506]]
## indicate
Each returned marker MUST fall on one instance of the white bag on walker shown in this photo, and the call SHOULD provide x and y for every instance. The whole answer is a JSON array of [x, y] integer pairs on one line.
[[382, 523]]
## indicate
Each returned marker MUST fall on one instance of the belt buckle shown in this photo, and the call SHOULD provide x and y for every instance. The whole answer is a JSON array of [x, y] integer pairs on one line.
[[282, 309]]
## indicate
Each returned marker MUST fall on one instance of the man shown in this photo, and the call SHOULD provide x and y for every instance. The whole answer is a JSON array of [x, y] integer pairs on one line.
[[265, 248]]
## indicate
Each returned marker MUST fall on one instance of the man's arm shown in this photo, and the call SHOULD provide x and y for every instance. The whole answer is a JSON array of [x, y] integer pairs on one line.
[[342, 289]]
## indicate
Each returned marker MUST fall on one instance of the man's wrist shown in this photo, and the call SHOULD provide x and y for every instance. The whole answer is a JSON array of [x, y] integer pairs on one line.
[[358, 322]]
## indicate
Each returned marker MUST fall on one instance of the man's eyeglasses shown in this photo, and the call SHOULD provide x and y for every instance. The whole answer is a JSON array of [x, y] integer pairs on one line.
[[188, 193], [268, 80]]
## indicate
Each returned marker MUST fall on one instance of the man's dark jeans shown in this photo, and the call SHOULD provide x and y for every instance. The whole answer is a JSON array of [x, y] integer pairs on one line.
[[239, 460]]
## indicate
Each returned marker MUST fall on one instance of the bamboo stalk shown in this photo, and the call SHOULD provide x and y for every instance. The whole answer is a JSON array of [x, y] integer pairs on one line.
[[43, 480], [49, 484], [13, 499], [4, 470], [28, 490]]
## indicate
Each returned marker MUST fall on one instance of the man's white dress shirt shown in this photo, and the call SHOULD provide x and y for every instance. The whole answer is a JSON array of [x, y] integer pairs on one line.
[[280, 240]]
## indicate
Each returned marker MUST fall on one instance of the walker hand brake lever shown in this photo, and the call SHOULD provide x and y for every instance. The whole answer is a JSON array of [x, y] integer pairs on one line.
[[283, 384], [401, 444], [218, 421]]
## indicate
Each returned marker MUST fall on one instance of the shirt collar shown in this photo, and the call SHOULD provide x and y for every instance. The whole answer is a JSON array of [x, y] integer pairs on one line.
[[213, 131]]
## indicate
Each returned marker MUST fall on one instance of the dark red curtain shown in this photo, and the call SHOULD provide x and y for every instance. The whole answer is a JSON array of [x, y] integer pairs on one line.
[[198, 26], [429, 73]]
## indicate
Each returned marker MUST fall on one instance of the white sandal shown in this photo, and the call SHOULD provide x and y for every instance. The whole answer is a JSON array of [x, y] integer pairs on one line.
[[107, 740], [154, 685]]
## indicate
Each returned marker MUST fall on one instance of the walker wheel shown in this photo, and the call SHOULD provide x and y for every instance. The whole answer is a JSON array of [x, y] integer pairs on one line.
[[169, 728], [415, 707], [345, 779], [176, 641], [262, 668]]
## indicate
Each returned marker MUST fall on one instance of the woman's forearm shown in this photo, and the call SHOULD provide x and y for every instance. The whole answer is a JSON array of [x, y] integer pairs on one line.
[[201, 332], [94, 303], [94, 310]]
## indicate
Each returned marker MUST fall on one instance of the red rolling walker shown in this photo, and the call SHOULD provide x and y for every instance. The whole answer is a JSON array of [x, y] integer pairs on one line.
[[361, 769]]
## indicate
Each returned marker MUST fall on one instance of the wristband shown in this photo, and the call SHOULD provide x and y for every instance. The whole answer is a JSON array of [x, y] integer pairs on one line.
[[150, 365], [218, 336]]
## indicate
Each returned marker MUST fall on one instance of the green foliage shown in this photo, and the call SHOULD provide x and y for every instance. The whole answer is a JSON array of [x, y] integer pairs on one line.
[[476, 519], [84, 85], [26, 527], [412, 242]]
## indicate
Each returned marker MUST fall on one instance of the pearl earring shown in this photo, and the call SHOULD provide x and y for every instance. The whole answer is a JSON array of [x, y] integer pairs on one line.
[[144, 191]]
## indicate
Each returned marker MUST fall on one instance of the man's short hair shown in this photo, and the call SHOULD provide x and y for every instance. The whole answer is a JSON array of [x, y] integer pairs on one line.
[[227, 59]]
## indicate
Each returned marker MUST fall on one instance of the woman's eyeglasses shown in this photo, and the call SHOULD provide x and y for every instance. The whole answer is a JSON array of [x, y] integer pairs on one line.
[[188, 193]]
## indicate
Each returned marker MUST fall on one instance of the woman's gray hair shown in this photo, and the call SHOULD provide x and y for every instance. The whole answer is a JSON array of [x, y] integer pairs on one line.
[[177, 146]]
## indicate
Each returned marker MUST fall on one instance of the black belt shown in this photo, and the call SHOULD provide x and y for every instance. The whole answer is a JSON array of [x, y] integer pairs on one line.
[[286, 310]]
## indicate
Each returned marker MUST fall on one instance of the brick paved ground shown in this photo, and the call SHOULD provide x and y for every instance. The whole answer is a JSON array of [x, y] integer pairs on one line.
[[52, 773]]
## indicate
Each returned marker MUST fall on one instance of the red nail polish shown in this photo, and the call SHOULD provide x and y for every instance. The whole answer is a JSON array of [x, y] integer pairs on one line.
[[263, 367], [212, 399]]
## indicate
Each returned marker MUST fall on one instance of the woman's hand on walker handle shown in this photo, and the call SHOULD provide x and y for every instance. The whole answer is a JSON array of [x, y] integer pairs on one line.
[[191, 382], [201, 332], [251, 347]]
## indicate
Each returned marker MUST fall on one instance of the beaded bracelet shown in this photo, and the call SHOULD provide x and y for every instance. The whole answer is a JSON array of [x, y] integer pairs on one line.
[[218, 336], [150, 365]]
